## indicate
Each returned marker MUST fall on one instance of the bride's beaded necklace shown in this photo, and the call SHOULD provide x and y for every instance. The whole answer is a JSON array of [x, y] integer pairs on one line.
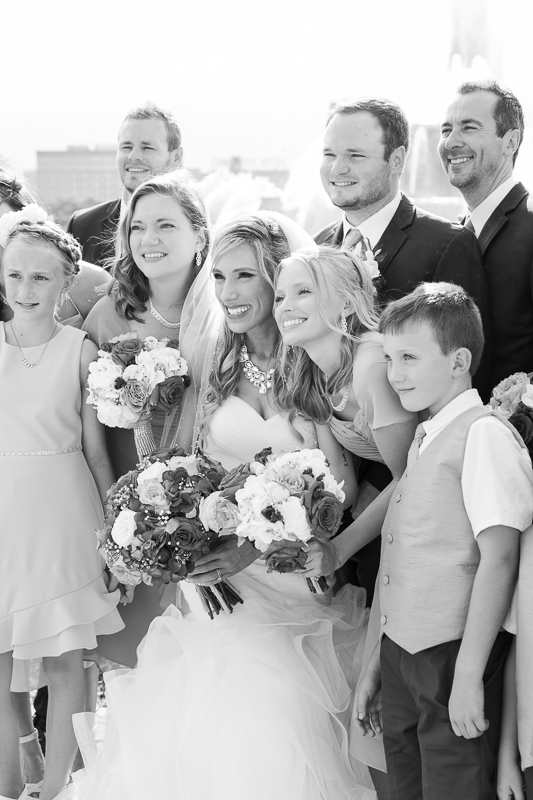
[[31, 364], [156, 315], [261, 380]]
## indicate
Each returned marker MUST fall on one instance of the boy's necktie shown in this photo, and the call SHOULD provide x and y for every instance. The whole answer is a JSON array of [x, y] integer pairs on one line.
[[412, 455]]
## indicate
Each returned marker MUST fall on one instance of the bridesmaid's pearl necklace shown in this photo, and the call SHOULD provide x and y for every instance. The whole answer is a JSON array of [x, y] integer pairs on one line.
[[342, 404], [156, 315], [25, 361], [261, 380]]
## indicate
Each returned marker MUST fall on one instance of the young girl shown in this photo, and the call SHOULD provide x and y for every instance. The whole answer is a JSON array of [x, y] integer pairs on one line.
[[54, 474]]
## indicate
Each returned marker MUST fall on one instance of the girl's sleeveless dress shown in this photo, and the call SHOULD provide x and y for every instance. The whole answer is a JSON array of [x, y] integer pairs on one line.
[[54, 598], [249, 705]]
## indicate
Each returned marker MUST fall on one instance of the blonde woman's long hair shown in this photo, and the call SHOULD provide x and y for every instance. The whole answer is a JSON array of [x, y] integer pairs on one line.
[[303, 387], [270, 246]]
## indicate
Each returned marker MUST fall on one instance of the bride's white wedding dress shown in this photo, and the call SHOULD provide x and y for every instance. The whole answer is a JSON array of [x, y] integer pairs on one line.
[[248, 706]]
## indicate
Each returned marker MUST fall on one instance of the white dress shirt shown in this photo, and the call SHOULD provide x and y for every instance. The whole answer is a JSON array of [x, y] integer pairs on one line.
[[497, 479], [481, 214], [374, 227]]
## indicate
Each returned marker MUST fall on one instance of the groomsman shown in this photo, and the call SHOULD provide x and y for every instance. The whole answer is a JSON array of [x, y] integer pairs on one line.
[[149, 143], [480, 138], [365, 148]]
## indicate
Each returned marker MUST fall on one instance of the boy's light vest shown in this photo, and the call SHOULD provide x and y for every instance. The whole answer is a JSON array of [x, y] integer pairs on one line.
[[429, 554]]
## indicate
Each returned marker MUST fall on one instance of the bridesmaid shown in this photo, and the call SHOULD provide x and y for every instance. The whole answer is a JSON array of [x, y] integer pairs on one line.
[[164, 240], [336, 373], [75, 304], [54, 474]]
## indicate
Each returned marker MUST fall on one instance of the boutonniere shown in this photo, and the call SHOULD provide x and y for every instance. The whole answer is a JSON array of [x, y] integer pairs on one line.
[[369, 258]]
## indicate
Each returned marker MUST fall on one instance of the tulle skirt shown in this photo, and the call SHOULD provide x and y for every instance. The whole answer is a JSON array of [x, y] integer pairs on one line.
[[249, 706]]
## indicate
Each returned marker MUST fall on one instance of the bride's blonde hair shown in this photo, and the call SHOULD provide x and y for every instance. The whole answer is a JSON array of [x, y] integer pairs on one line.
[[304, 388], [270, 246]]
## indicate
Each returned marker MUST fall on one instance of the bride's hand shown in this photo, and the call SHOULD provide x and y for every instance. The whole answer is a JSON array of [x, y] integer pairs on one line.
[[322, 559], [225, 560]]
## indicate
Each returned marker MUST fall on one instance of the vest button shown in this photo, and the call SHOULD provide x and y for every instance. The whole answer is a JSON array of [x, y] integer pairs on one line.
[[390, 537], [383, 619], [386, 579], [398, 498]]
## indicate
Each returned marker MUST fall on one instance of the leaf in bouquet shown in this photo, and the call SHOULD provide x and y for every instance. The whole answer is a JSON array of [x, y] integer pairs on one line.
[[163, 555], [262, 457]]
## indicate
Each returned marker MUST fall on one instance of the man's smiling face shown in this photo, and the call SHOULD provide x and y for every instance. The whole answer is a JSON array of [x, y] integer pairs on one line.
[[354, 172], [471, 151], [143, 151]]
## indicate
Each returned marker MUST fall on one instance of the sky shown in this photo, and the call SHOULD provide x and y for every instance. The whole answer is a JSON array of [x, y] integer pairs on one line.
[[245, 78]]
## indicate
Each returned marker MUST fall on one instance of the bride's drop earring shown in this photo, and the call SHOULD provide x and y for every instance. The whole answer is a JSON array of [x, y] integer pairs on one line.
[[198, 259], [344, 324]]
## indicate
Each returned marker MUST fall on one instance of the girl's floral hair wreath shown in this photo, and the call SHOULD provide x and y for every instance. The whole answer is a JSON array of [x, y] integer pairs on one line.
[[513, 399], [31, 213]]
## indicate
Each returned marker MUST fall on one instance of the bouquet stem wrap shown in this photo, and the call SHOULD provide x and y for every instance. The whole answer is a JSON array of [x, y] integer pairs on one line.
[[144, 438]]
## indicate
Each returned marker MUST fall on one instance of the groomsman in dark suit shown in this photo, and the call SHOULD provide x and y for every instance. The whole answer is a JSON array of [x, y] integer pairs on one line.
[[365, 148], [480, 138], [149, 143]]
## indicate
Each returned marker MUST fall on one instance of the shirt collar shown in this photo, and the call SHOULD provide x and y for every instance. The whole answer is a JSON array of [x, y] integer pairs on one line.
[[374, 227], [451, 410], [481, 214]]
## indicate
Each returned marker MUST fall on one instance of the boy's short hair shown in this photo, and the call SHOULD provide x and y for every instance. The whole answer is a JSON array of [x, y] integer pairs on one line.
[[451, 312]]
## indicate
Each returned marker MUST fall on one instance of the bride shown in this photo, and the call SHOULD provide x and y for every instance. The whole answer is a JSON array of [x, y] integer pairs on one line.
[[248, 705]]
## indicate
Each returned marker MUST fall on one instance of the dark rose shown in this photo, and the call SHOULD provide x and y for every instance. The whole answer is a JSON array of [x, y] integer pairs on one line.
[[164, 555], [119, 383], [263, 455], [286, 559], [189, 535], [171, 392], [325, 514], [135, 395], [523, 422], [173, 344], [234, 480], [123, 353]]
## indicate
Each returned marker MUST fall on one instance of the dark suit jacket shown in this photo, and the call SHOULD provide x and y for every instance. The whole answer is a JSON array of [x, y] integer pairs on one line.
[[506, 243], [417, 246], [95, 229]]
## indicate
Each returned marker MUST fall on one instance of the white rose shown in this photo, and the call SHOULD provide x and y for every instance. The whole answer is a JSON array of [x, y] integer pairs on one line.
[[123, 531], [207, 512], [188, 463], [296, 525], [113, 415], [527, 397], [152, 473]]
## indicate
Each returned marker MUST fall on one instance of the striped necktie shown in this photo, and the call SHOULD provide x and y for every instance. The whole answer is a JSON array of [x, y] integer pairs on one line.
[[352, 238], [468, 225], [412, 455]]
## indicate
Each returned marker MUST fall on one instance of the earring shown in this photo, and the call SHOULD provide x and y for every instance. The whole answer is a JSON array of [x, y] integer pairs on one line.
[[61, 297], [198, 259], [344, 324]]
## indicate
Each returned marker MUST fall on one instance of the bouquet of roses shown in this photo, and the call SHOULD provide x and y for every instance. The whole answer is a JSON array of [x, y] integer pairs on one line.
[[130, 378], [153, 529], [513, 399], [285, 500]]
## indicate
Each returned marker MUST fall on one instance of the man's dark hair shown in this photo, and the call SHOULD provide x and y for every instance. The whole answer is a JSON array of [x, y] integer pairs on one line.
[[151, 111], [451, 313], [508, 114], [388, 115]]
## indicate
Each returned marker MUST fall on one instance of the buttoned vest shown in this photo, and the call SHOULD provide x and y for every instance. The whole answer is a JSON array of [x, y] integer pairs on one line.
[[429, 554]]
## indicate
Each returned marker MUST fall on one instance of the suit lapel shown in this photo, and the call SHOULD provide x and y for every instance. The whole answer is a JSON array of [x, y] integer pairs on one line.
[[335, 236], [499, 216], [393, 236]]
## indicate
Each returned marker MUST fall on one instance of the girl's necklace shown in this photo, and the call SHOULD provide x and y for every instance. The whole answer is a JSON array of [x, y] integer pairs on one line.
[[342, 404], [261, 380], [156, 315], [25, 361], [3, 298]]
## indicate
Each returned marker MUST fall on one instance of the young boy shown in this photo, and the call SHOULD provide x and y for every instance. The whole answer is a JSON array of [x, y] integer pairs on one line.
[[449, 557]]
